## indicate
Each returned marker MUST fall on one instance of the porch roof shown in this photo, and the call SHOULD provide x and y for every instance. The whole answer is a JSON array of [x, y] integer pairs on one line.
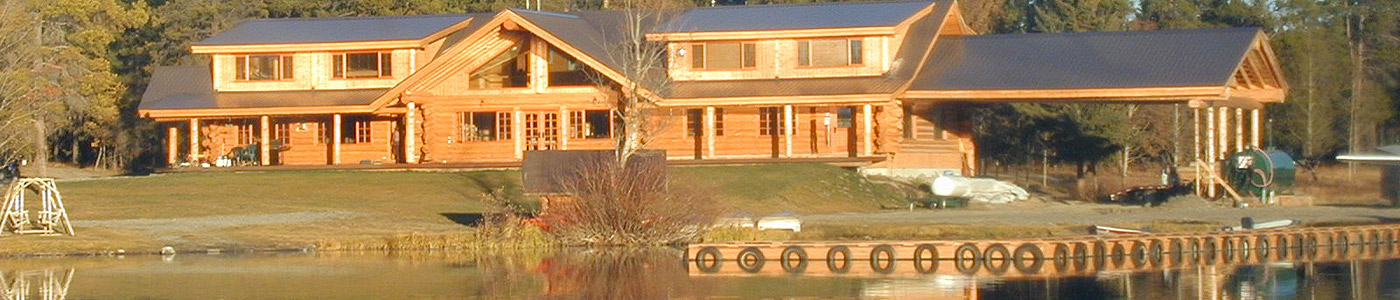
[[190, 88]]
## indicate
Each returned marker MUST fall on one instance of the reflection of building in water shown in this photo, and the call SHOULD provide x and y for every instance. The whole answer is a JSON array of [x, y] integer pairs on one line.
[[52, 284], [936, 287]]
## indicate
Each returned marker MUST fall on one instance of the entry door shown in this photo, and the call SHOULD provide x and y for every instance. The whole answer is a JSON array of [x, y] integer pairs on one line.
[[541, 131]]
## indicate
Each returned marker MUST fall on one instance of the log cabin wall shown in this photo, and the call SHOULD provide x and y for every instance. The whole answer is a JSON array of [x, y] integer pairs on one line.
[[313, 70], [778, 58], [935, 136]]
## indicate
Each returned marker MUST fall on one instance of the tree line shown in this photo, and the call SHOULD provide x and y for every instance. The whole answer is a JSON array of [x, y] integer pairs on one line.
[[74, 70]]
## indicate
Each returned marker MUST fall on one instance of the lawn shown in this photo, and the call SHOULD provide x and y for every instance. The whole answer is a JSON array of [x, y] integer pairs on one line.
[[251, 209]]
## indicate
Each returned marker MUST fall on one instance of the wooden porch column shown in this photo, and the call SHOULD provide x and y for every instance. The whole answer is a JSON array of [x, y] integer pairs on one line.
[[1255, 129], [1224, 134], [787, 130], [1239, 130], [172, 144], [194, 141], [335, 139], [867, 116], [1211, 142], [410, 134], [516, 130], [1196, 146], [709, 132], [264, 154]]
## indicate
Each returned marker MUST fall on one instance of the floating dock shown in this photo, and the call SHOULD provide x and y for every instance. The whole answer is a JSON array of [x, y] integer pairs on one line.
[[1043, 256]]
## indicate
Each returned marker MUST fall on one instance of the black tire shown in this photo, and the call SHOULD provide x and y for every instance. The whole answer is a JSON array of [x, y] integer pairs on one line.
[[1138, 254], [1155, 253], [845, 259], [1342, 246], [1209, 249], [875, 259], [1246, 248], [1100, 255], [1262, 248], [1227, 250], [991, 263], [1061, 259], [1120, 255], [1177, 251], [747, 254], [963, 262], [919, 258], [1196, 249], [1037, 259], [714, 260], [787, 259], [1080, 256], [1374, 240], [1281, 247], [1310, 245]]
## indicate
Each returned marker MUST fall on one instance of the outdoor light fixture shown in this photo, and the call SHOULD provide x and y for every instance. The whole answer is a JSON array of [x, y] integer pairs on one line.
[[680, 52]]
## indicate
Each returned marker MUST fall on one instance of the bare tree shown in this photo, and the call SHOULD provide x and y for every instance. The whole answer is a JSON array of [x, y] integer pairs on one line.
[[642, 63]]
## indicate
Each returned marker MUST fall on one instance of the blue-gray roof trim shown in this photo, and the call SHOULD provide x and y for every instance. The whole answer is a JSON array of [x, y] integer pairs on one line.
[[334, 30], [794, 16]]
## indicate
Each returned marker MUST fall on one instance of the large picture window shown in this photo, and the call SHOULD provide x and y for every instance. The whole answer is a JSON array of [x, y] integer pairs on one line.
[[355, 130], [263, 67], [724, 56], [363, 65], [770, 121], [830, 53], [481, 126], [564, 70], [590, 124], [507, 70]]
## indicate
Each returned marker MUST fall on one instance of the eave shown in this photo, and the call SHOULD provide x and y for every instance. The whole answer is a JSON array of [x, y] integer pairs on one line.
[[331, 46], [771, 34], [169, 114]]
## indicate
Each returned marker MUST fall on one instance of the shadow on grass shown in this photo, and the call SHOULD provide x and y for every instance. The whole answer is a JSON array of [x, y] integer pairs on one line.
[[468, 219]]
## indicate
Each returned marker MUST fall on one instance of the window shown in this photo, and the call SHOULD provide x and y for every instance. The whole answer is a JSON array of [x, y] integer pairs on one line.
[[245, 133], [355, 129], [770, 121], [695, 122], [503, 125], [281, 132], [565, 70], [263, 67], [362, 65], [507, 70], [323, 134], [830, 53], [719, 121], [476, 126], [845, 117], [591, 124], [908, 121], [721, 56]]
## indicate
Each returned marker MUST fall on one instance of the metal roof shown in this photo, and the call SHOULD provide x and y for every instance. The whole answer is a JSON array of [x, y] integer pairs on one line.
[[794, 16], [331, 30], [1168, 58], [190, 87]]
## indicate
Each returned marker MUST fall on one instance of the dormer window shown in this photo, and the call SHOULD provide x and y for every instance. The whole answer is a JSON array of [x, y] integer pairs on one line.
[[363, 65], [263, 67], [830, 53], [723, 56]]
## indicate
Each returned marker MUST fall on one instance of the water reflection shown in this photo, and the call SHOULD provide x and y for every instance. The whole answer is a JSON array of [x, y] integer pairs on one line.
[[649, 274], [47, 284]]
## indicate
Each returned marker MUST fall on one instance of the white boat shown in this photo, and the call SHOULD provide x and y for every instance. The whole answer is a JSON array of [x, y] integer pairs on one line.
[[1105, 230]]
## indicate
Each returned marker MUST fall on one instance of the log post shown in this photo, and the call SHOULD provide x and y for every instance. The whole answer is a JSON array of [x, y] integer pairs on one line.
[[709, 132], [517, 131], [1196, 146], [264, 153], [172, 144], [787, 130], [194, 141], [1211, 143], [565, 122], [335, 139], [1256, 129], [1239, 130], [1224, 134], [410, 134], [867, 130]]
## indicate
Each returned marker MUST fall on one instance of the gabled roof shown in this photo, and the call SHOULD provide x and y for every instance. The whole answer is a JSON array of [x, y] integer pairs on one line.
[[587, 31], [1129, 59], [793, 16], [333, 30]]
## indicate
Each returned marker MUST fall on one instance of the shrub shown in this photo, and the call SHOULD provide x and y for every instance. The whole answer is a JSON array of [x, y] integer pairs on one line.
[[628, 204]]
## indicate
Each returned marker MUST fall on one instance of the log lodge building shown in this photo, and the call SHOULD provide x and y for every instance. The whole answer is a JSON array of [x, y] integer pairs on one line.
[[885, 84]]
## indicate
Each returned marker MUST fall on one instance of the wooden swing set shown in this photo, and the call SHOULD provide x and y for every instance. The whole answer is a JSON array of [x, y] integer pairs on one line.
[[51, 219]]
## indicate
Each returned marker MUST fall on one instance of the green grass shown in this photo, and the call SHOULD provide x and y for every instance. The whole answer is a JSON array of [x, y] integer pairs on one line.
[[389, 206]]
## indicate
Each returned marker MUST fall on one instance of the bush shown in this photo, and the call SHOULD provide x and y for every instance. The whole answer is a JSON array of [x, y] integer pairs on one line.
[[631, 204]]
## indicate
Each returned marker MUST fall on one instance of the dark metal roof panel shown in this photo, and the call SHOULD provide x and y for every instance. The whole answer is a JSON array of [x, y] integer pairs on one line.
[[189, 87], [794, 16], [1169, 58], [331, 30], [579, 32]]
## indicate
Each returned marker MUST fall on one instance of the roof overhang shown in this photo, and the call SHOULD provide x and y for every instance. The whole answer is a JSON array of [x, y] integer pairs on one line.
[[170, 114], [776, 100], [771, 34], [333, 46]]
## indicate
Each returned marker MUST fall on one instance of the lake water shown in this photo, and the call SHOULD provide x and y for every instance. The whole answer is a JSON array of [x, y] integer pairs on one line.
[[644, 274]]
